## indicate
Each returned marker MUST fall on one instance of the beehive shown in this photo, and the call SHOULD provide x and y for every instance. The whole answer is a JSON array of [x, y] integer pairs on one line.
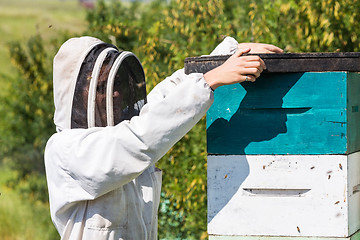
[[283, 152]]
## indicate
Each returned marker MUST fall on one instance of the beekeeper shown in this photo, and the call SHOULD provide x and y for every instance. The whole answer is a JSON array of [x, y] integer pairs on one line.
[[100, 164]]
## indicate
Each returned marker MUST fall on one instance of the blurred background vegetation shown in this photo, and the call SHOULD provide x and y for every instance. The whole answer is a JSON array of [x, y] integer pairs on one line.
[[162, 33]]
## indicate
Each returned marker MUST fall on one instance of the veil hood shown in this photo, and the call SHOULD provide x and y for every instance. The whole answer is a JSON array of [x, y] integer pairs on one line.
[[95, 84]]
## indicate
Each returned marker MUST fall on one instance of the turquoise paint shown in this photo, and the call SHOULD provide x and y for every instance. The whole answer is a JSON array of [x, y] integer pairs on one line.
[[297, 113]]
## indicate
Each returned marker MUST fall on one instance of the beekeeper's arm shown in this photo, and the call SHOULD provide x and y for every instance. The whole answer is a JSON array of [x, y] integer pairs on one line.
[[228, 46]]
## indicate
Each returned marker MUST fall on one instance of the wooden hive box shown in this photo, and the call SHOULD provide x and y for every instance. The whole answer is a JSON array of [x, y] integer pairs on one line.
[[283, 152]]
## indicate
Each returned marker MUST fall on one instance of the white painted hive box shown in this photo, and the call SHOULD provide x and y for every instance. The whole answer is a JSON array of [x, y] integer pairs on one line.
[[283, 195]]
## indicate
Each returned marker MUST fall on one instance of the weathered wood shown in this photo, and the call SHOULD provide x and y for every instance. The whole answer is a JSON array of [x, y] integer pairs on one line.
[[353, 111], [285, 62], [353, 190], [283, 195], [287, 113]]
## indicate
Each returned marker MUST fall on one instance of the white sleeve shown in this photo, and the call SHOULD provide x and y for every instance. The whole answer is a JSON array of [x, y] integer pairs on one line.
[[102, 159], [228, 46], [162, 89]]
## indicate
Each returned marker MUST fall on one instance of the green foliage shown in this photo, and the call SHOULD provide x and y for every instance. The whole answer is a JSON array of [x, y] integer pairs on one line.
[[162, 33], [115, 23], [27, 115], [27, 108], [20, 19], [20, 218], [305, 26]]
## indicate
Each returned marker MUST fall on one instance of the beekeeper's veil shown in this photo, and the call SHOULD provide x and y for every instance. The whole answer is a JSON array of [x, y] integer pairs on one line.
[[95, 84]]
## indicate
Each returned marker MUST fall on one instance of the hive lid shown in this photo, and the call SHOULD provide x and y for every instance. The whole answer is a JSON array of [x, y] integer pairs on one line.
[[286, 62]]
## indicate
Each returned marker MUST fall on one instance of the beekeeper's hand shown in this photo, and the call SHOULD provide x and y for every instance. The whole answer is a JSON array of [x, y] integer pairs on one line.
[[236, 69], [260, 48]]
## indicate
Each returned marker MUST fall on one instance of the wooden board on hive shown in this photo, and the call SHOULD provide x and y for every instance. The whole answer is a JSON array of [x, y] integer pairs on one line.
[[285, 62]]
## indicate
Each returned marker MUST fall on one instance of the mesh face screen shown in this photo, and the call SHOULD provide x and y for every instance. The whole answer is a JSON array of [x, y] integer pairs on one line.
[[100, 101], [79, 107], [129, 89]]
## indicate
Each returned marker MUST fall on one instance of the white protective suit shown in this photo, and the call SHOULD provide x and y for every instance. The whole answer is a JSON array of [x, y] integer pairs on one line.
[[102, 180]]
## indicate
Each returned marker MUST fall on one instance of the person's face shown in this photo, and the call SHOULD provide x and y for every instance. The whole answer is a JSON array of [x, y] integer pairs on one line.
[[100, 100], [119, 85]]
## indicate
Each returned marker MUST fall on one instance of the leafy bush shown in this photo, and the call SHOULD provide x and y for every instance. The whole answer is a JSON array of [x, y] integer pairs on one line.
[[27, 109]]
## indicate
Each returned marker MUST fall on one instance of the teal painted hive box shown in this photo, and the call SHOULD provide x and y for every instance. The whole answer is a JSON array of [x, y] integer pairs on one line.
[[287, 113]]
